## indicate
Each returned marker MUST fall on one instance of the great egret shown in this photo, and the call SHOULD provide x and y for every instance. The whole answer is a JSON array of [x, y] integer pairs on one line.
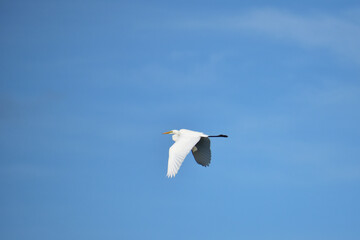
[[186, 140]]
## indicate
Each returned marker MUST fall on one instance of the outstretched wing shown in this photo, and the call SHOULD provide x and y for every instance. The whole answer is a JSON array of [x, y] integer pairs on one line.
[[202, 152], [178, 151]]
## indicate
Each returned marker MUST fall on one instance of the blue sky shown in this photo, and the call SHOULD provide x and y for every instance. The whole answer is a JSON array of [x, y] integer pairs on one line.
[[87, 88]]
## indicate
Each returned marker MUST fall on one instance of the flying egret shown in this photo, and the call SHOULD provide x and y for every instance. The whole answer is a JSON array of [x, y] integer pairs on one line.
[[186, 141]]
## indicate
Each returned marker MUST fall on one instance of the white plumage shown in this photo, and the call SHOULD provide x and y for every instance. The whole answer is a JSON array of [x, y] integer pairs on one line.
[[186, 141]]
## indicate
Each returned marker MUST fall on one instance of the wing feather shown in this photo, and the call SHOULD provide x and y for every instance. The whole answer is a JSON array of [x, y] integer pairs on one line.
[[202, 152], [178, 151]]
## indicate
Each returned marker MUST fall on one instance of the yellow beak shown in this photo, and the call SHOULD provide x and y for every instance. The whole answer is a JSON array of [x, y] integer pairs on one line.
[[167, 132]]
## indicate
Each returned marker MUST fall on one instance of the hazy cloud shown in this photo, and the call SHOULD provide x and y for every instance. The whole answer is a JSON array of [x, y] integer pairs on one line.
[[338, 33]]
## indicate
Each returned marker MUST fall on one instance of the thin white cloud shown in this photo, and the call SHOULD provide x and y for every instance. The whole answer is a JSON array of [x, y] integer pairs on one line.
[[338, 33]]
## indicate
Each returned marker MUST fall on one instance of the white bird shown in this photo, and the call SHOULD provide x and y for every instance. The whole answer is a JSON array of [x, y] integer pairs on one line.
[[186, 141]]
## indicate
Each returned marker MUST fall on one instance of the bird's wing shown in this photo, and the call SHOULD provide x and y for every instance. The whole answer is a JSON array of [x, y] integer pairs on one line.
[[178, 151], [202, 152]]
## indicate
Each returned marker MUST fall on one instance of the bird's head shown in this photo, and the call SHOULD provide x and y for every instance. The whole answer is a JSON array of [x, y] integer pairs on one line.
[[171, 132]]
